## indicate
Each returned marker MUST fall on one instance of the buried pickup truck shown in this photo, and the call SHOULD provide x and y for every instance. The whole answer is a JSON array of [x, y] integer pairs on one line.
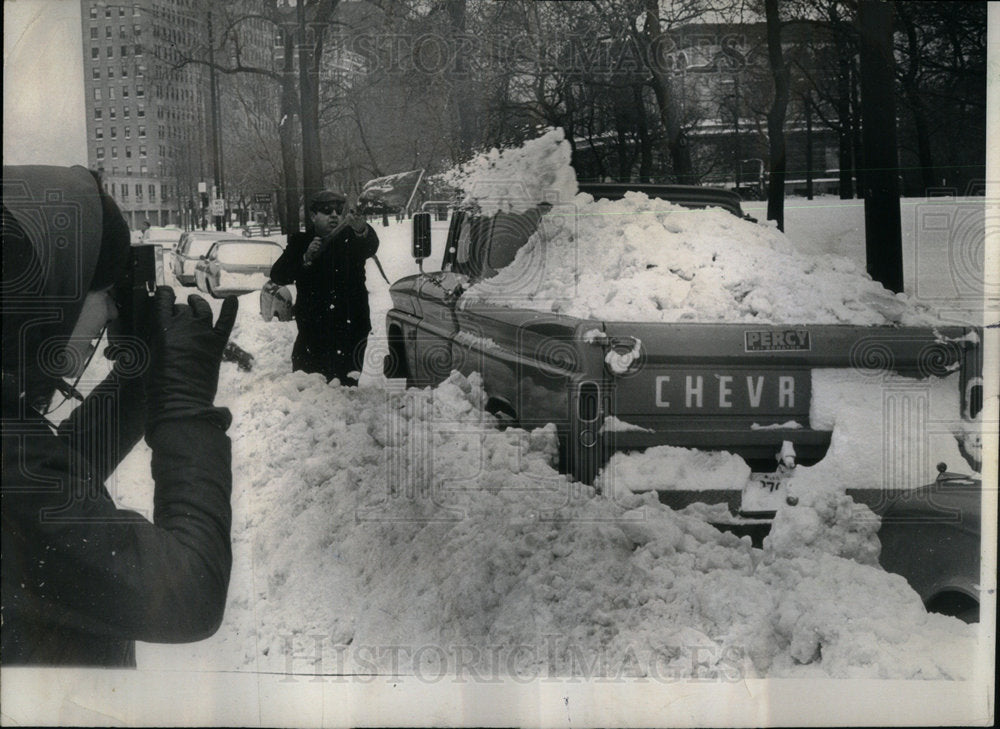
[[611, 384]]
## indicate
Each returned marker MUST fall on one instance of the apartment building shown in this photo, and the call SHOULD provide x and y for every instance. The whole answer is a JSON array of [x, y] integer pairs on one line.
[[145, 109]]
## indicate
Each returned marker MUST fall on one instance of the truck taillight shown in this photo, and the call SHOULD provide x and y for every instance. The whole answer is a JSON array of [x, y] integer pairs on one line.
[[973, 400], [588, 407]]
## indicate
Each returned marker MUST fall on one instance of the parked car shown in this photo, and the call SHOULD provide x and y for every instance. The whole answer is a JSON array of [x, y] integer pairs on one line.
[[192, 246], [932, 537], [167, 237], [236, 266]]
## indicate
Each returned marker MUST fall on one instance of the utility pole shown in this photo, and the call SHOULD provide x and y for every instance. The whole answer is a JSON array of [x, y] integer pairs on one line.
[[883, 232], [220, 220]]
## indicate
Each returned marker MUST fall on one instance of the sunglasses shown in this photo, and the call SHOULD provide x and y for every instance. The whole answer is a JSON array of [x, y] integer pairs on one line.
[[329, 208]]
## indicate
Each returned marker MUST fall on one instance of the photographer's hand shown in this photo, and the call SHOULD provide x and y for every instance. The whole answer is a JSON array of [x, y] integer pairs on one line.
[[186, 351]]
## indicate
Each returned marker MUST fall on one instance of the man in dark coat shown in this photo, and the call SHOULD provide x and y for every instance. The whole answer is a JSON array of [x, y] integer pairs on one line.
[[83, 579], [327, 265]]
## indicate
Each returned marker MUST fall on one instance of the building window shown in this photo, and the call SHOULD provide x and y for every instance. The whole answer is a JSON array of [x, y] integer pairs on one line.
[[97, 94], [110, 52], [124, 71], [138, 49], [128, 132], [95, 52], [144, 169], [107, 12], [142, 132], [128, 170], [96, 73], [114, 153], [112, 189], [93, 33], [121, 32], [124, 92], [124, 51], [99, 133], [138, 190], [140, 112], [142, 150], [111, 71], [137, 30], [93, 12], [114, 132], [113, 112], [111, 92], [121, 11], [107, 31], [100, 153], [128, 153], [152, 191], [124, 191], [98, 113], [135, 10], [125, 112], [140, 91]]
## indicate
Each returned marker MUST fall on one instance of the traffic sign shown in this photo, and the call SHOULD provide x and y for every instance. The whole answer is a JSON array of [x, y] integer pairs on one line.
[[218, 206]]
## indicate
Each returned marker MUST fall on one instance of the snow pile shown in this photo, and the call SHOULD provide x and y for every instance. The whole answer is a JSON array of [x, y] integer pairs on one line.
[[826, 520], [643, 259], [670, 467], [514, 180], [404, 532]]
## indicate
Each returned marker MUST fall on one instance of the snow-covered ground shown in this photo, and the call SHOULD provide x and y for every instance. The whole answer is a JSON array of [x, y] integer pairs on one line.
[[382, 533], [385, 531]]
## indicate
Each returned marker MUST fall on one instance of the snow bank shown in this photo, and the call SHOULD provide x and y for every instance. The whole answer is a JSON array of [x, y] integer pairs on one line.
[[404, 532]]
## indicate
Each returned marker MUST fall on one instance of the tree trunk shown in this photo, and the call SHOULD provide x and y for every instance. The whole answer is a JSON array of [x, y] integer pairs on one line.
[[844, 137], [915, 101], [677, 145], [461, 89], [645, 143], [883, 234], [856, 148], [286, 134], [776, 116], [680, 154], [310, 55]]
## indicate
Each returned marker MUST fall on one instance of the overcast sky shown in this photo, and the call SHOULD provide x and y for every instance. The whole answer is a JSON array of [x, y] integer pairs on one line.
[[44, 112]]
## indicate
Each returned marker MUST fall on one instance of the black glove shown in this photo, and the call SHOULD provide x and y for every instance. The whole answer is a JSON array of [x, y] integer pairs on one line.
[[186, 351]]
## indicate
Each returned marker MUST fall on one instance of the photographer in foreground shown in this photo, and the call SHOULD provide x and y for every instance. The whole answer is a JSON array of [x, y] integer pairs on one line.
[[83, 579]]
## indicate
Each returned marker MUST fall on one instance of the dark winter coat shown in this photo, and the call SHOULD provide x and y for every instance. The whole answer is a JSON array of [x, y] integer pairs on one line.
[[331, 306], [82, 579]]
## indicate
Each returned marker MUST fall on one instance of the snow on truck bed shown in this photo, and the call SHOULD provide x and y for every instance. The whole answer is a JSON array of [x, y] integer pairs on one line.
[[643, 259]]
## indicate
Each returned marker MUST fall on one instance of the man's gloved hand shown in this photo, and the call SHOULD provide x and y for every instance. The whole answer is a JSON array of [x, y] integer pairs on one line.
[[186, 351]]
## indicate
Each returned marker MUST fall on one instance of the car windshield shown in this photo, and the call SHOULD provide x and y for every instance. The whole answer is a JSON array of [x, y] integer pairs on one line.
[[199, 246], [248, 254]]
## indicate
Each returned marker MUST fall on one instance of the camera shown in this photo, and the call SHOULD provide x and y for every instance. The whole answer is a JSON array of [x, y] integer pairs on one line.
[[134, 292]]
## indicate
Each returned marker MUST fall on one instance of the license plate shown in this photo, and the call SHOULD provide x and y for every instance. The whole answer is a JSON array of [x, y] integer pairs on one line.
[[763, 493]]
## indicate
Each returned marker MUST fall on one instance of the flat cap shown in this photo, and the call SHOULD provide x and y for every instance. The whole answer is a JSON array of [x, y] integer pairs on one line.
[[326, 196]]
